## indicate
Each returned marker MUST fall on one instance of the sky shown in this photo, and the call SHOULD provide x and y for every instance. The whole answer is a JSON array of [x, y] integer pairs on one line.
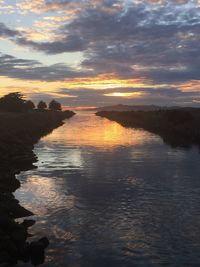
[[101, 52]]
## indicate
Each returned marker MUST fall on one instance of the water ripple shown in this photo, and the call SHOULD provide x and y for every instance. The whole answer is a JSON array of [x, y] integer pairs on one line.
[[108, 196]]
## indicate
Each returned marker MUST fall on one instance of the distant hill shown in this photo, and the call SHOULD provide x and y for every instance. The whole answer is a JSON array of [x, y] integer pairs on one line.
[[121, 107]]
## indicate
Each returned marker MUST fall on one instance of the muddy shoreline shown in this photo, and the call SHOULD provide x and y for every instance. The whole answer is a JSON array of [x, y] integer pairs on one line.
[[18, 134]]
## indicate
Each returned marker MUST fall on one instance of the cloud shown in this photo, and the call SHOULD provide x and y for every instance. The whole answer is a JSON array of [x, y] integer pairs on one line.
[[140, 96], [64, 6], [33, 70], [157, 41], [72, 43], [7, 32], [164, 51], [161, 37]]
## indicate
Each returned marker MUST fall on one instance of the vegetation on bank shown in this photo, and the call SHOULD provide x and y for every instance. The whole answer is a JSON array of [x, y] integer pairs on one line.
[[20, 129], [15, 102], [17, 130], [177, 127]]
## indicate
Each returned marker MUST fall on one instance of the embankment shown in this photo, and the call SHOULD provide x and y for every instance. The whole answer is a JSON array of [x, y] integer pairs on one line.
[[178, 127], [18, 134]]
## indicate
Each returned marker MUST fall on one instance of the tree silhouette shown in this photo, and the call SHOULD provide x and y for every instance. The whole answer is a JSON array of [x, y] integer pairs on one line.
[[13, 102], [42, 105], [29, 105], [54, 105]]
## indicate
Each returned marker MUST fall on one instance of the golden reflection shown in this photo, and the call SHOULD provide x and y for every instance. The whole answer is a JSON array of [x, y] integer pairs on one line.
[[86, 129], [74, 108]]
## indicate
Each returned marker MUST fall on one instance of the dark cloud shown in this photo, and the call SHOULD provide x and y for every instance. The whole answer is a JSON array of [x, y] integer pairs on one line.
[[71, 43], [7, 32], [60, 4], [162, 96], [161, 38], [156, 40], [33, 70], [8, 61], [171, 49]]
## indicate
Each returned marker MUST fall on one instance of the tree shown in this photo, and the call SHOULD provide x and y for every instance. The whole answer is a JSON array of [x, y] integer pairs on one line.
[[13, 102], [54, 105], [29, 105], [42, 105]]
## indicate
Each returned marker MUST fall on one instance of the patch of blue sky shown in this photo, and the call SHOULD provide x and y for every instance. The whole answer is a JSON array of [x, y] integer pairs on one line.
[[72, 59]]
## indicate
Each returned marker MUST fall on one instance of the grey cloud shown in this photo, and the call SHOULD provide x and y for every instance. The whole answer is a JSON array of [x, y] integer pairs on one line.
[[7, 61], [33, 70], [7, 32], [139, 38], [163, 96], [60, 4], [162, 39], [71, 43]]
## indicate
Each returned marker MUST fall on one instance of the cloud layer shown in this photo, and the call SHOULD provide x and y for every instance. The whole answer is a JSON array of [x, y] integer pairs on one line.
[[158, 41]]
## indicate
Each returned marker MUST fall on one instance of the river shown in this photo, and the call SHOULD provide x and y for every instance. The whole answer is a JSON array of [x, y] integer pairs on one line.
[[109, 196]]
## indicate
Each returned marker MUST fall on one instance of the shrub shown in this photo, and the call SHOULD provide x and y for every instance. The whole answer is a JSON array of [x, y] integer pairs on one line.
[[42, 105], [54, 105]]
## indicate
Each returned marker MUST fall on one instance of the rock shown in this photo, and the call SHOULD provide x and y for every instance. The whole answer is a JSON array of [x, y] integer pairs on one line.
[[24, 252], [11, 248], [6, 222], [5, 257], [28, 223], [37, 249], [17, 211], [45, 241], [37, 253], [19, 235], [18, 134]]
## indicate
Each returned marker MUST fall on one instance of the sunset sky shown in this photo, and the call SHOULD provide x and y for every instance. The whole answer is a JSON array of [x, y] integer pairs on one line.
[[101, 52]]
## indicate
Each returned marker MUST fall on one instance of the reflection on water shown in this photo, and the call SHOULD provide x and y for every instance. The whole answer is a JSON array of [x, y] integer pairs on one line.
[[86, 130], [108, 196]]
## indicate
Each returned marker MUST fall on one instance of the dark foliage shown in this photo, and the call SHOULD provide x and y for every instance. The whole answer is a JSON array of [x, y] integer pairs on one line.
[[42, 105], [29, 105], [54, 105], [13, 102]]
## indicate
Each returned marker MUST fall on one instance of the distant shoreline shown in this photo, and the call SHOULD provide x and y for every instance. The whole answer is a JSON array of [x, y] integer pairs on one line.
[[18, 134], [177, 127]]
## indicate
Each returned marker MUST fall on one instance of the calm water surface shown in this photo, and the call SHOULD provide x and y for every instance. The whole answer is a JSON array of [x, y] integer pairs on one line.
[[108, 196]]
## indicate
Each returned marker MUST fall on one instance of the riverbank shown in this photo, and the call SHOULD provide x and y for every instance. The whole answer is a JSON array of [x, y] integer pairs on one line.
[[178, 127], [18, 134]]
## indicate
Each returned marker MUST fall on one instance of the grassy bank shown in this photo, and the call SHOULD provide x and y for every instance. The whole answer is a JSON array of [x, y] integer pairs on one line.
[[18, 134], [179, 127]]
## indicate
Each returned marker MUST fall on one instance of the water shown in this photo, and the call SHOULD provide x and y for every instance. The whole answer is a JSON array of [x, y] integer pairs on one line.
[[109, 196]]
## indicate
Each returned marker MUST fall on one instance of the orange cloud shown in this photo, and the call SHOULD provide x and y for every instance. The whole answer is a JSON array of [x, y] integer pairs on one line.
[[100, 82], [190, 86], [36, 34]]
